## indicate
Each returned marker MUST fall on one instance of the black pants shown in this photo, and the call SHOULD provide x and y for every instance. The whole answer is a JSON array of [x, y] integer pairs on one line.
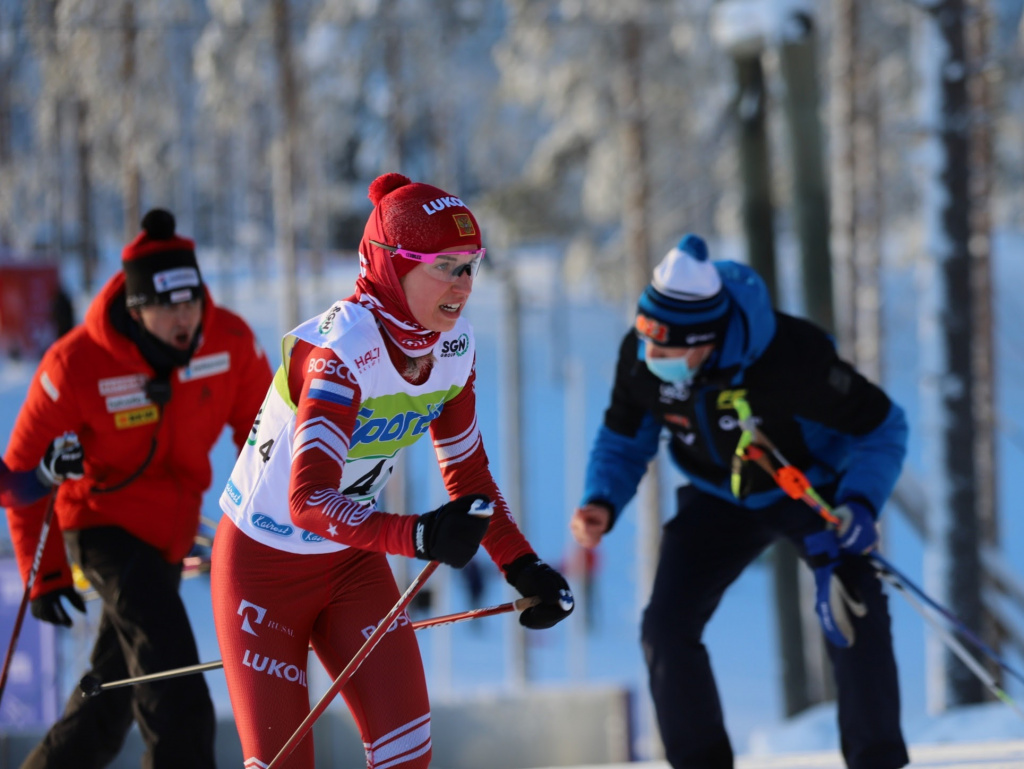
[[143, 629], [705, 548]]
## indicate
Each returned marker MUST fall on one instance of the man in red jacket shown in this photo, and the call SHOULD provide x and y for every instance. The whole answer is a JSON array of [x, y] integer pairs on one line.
[[148, 383]]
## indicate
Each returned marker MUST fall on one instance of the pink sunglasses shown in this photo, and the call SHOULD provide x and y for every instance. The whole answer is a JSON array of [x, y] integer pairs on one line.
[[448, 266]]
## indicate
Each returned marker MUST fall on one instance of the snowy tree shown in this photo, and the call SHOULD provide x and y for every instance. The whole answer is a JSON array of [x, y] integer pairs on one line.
[[571, 62]]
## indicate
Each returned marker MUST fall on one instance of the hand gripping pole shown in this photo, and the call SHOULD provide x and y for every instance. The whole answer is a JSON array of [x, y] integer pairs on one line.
[[792, 480]]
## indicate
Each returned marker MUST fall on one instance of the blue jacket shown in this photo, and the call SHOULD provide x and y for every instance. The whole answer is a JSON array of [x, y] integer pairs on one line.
[[827, 419]]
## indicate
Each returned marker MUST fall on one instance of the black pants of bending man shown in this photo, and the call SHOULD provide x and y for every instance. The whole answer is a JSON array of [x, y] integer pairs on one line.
[[705, 548], [144, 629]]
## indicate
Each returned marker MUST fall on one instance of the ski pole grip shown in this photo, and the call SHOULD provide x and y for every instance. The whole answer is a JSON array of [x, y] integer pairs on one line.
[[522, 604]]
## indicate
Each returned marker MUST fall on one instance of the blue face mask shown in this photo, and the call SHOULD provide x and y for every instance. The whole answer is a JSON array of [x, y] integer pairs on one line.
[[671, 370]]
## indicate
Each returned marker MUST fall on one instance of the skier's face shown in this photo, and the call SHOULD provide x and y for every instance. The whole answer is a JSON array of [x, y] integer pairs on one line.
[[435, 303], [172, 324]]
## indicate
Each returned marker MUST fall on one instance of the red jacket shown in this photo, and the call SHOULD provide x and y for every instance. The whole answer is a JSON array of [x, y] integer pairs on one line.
[[91, 381]]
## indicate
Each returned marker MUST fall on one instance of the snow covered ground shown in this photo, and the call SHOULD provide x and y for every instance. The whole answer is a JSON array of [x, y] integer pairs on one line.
[[987, 755], [568, 353]]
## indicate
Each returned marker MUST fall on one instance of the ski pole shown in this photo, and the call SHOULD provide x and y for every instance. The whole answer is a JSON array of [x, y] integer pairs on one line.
[[20, 618], [950, 640], [883, 565], [352, 666], [796, 485], [788, 477], [520, 605], [91, 685]]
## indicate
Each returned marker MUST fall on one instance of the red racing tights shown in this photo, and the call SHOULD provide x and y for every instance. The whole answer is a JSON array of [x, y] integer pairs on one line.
[[269, 605]]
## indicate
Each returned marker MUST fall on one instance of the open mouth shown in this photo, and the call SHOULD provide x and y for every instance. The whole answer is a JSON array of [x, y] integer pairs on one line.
[[451, 307]]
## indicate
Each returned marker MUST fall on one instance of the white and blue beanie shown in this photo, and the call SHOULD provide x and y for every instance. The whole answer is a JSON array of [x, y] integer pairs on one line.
[[685, 304]]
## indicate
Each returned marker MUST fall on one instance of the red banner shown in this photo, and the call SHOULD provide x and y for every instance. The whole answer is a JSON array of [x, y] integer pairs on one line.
[[27, 321]]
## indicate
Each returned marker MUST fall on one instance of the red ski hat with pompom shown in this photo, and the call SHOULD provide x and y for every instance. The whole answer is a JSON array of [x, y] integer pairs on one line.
[[416, 216]]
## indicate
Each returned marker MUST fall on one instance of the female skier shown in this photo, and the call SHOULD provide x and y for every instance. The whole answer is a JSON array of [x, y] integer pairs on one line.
[[300, 556]]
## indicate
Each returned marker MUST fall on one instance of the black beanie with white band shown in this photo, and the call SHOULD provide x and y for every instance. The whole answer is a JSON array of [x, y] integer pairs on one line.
[[160, 267]]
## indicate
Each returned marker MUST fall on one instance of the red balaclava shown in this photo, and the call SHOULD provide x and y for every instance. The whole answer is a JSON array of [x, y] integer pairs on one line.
[[418, 217]]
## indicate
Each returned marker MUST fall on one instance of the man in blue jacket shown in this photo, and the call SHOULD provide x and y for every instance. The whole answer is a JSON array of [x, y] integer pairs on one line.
[[706, 339]]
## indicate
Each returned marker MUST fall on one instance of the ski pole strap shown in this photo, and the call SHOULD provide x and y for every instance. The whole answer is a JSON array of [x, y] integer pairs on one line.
[[749, 450], [788, 477], [745, 449]]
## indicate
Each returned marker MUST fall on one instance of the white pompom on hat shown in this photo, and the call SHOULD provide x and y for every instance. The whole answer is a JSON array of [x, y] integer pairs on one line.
[[685, 304], [686, 274]]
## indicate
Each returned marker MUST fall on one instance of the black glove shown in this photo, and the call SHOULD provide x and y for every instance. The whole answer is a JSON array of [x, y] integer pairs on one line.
[[63, 459], [452, 533], [532, 577], [48, 606]]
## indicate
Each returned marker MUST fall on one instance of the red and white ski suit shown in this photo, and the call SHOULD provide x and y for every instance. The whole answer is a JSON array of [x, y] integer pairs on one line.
[[299, 556]]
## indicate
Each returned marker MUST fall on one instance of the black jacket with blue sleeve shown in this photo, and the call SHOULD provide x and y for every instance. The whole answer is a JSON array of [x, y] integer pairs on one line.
[[824, 416]]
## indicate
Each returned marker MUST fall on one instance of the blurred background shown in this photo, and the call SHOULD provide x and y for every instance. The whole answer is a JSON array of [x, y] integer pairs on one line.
[[866, 156]]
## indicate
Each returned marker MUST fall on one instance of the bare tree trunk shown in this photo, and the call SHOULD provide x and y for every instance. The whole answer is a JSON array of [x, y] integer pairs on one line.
[[42, 16], [319, 214], [131, 182], [86, 228], [511, 372], [393, 62], [253, 144], [948, 301], [755, 168], [633, 121], [225, 217], [57, 180], [798, 59], [855, 210], [845, 48], [285, 161], [759, 230], [979, 32], [635, 229], [867, 253]]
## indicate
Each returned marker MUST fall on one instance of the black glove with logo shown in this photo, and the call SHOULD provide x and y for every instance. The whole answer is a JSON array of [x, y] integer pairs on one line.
[[532, 577], [63, 459], [49, 608], [452, 533]]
